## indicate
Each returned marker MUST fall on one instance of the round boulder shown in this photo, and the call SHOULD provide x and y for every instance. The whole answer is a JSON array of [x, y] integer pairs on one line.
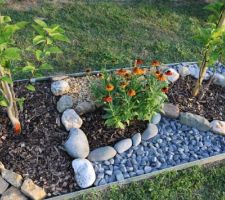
[[84, 172], [71, 119], [150, 132], [123, 145], [136, 139], [77, 144], [156, 118], [64, 103], [102, 154], [60, 87]]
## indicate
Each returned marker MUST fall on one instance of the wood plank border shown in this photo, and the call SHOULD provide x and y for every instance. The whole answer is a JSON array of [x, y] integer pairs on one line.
[[204, 161]]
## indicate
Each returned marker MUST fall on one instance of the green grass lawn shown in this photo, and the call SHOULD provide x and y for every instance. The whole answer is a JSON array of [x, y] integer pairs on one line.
[[108, 33], [198, 183]]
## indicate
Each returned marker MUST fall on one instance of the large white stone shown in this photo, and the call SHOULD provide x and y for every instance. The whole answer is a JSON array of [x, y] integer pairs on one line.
[[60, 87], [71, 119], [3, 185], [77, 144], [218, 126], [174, 77], [84, 172], [156, 118], [219, 79], [102, 154]]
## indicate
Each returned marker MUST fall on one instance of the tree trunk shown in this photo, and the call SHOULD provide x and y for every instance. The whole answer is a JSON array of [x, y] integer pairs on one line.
[[204, 67], [202, 73]]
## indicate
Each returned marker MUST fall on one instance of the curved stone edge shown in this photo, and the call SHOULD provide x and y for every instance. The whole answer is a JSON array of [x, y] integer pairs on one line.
[[201, 162]]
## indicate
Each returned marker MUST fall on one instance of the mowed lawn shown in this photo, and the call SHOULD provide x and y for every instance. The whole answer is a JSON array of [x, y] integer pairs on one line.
[[111, 33], [197, 183]]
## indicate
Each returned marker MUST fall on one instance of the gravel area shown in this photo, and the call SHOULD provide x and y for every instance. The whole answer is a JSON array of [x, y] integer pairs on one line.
[[175, 144]]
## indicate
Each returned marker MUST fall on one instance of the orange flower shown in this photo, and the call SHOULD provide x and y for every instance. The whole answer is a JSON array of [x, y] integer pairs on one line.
[[161, 77], [131, 93], [124, 84], [17, 128], [138, 71], [155, 63], [165, 90], [109, 87], [168, 73], [107, 99], [157, 73], [122, 72], [139, 62]]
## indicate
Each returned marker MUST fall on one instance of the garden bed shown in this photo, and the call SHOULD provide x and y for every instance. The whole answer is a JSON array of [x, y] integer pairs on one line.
[[38, 153]]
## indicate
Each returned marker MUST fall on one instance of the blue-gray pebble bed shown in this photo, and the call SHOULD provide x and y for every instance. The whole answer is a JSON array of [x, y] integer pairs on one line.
[[174, 144]]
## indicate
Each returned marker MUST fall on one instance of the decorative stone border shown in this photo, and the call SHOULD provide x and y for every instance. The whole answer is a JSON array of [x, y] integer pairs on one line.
[[77, 144], [12, 186], [104, 156]]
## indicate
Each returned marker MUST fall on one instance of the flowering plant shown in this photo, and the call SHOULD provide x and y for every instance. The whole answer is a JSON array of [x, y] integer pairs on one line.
[[130, 94]]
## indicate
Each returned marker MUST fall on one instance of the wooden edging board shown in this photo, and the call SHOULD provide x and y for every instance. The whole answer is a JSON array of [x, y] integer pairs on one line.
[[73, 195]]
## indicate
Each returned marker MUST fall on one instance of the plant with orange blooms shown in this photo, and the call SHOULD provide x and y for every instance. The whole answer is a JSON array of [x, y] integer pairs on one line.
[[127, 95]]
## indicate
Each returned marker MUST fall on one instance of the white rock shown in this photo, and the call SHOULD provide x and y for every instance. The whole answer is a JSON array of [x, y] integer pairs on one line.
[[136, 139], [194, 71], [184, 71], [84, 172], [218, 126], [60, 87], [77, 144], [32, 190], [1, 166], [219, 79], [150, 132], [71, 119], [156, 118], [174, 77], [64, 103], [123, 145]]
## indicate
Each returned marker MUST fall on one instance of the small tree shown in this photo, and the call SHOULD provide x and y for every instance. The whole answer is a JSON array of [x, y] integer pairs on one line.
[[212, 37], [44, 45]]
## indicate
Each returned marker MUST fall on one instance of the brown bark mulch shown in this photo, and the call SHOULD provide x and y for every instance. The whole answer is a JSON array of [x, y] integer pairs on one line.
[[38, 152], [211, 106]]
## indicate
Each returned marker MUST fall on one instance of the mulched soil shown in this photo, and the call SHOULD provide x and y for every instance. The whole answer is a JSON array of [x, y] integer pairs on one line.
[[38, 152], [211, 106]]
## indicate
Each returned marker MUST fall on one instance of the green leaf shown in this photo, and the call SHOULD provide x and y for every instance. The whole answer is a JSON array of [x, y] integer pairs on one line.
[[31, 88], [29, 68], [38, 29], [5, 19], [6, 79], [3, 103], [38, 39], [54, 50], [38, 54], [60, 37], [46, 66], [12, 53], [40, 22]]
